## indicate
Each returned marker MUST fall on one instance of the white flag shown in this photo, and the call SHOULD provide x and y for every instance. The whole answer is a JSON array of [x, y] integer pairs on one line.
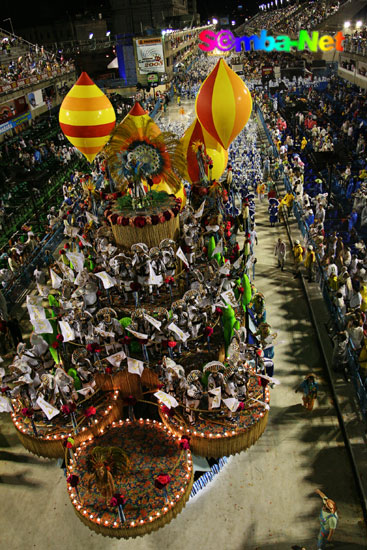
[[134, 366], [182, 256], [153, 278], [212, 228], [238, 262], [229, 297], [217, 392], [112, 347], [104, 333], [232, 403], [87, 390], [42, 326], [200, 210], [84, 242], [77, 259], [56, 281], [49, 410], [157, 324], [267, 407], [25, 378], [34, 300], [219, 248], [5, 406], [106, 279], [91, 217], [36, 313], [71, 231], [139, 335], [271, 379], [166, 399], [225, 269], [180, 333], [116, 358], [80, 279], [67, 331], [67, 271]]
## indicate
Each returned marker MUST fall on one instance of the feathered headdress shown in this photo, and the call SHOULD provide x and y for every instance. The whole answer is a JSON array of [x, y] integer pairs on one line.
[[144, 153]]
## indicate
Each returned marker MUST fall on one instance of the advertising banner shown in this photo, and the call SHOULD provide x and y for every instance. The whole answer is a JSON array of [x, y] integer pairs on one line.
[[35, 99], [33, 79], [149, 52], [12, 109], [15, 122], [152, 78]]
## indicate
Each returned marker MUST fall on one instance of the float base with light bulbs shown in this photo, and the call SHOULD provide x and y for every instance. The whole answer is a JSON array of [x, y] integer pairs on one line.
[[152, 451], [217, 434], [97, 412]]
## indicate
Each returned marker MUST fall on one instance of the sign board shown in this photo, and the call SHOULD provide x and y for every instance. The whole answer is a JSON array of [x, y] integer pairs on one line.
[[267, 71], [149, 53], [152, 78], [14, 123]]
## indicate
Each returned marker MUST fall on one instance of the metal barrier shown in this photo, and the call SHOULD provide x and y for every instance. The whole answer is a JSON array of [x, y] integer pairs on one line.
[[264, 125], [335, 313], [155, 111]]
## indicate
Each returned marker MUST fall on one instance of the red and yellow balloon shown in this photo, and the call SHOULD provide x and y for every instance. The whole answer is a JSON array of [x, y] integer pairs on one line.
[[195, 135], [140, 117], [87, 117], [223, 104], [217, 153]]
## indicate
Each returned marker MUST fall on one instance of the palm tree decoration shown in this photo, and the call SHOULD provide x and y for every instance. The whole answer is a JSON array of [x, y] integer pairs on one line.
[[104, 464]]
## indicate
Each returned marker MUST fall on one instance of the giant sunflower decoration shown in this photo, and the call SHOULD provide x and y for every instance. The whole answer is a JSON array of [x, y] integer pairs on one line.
[[143, 153]]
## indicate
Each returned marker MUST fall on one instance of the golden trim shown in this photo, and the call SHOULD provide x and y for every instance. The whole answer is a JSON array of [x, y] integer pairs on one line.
[[55, 449], [151, 235], [140, 530], [215, 447]]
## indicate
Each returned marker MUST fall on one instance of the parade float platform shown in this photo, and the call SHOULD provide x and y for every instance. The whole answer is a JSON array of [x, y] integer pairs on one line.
[[152, 451], [51, 435], [127, 383], [212, 435], [151, 224]]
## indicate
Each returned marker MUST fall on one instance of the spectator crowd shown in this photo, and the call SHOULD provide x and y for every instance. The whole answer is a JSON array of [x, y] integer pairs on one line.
[[20, 60]]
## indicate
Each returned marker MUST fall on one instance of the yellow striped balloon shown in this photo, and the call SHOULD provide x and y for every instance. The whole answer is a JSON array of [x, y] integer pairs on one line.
[[87, 117], [193, 136], [140, 118], [217, 153], [223, 104]]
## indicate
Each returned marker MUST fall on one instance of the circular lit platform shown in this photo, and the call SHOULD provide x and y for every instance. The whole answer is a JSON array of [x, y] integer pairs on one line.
[[214, 435], [91, 417], [152, 451]]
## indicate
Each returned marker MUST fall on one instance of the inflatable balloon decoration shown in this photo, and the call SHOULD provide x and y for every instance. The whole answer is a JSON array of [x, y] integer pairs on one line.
[[223, 104], [180, 193], [140, 118], [218, 155], [198, 145], [193, 145], [87, 117]]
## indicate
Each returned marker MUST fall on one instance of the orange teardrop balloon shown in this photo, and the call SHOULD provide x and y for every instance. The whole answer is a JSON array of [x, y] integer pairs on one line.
[[87, 117]]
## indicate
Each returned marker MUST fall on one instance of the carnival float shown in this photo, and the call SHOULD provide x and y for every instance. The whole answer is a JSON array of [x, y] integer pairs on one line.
[[153, 342]]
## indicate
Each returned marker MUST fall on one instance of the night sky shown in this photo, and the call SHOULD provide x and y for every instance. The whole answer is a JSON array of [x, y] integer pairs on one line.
[[45, 11]]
